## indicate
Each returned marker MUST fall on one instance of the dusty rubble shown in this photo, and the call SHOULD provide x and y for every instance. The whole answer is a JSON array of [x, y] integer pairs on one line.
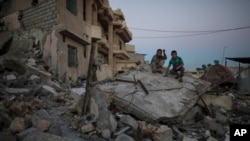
[[135, 105]]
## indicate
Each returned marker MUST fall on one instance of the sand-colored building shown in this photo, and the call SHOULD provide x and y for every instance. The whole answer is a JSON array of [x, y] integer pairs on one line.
[[67, 30]]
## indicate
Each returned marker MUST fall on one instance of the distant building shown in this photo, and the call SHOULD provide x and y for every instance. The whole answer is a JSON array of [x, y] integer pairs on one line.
[[242, 75]]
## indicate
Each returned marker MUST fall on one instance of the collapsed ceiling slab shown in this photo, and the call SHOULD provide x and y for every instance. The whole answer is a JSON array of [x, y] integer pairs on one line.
[[152, 97]]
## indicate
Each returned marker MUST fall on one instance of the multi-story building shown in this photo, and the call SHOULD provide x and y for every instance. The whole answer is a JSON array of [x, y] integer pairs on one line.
[[67, 30], [134, 60]]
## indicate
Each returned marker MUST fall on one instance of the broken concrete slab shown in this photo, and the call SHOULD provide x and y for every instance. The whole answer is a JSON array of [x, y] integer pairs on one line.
[[14, 65], [87, 128], [162, 92], [128, 120], [10, 77], [50, 90], [41, 136], [124, 137], [79, 91], [5, 42], [41, 124], [224, 101], [41, 72], [186, 138], [17, 125], [26, 132], [101, 111], [7, 136], [163, 133], [21, 48], [104, 72], [17, 90]]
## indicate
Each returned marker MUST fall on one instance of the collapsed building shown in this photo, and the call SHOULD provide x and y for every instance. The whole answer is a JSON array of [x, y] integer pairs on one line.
[[43, 57], [66, 31]]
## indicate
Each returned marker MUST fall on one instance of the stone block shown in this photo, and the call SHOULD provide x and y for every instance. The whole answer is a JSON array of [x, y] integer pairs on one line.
[[7, 136], [163, 133], [25, 133], [87, 128], [17, 125], [128, 120], [124, 137]]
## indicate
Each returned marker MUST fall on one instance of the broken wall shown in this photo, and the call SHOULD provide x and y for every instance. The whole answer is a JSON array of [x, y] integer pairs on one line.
[[11, 6], [42, 16], [82, 60], [74, 23], [124, 65]]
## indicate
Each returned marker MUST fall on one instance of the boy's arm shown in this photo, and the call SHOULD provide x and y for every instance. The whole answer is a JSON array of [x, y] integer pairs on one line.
[[169, 65], [181, 65], [164, 55]]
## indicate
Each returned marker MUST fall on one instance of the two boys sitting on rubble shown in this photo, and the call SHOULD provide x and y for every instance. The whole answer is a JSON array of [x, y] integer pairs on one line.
[[158, 61]]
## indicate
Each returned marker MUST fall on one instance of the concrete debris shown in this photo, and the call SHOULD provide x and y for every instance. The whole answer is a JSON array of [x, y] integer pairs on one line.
[[50, 90], [7, 136], [128, 120], [35, 104], [79, 91], [124, 137], [17, 90], [224, 101], [17, 125], [162, 92], [87, 128]]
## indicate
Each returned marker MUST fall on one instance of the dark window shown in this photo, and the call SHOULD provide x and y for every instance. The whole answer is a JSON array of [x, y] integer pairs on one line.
[[84, 52], [72, 56], [72, 6], [84, 10], [34, 2], [120, 44]]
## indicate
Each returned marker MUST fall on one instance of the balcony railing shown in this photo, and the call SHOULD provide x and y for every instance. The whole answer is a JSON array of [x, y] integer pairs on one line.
[[96, 32]]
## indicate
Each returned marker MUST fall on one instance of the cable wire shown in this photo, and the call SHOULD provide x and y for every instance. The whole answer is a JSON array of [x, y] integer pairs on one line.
[[195, 33]]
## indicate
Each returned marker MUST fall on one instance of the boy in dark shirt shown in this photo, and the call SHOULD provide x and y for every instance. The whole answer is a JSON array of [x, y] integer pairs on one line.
[[178, 64], [158, 61]]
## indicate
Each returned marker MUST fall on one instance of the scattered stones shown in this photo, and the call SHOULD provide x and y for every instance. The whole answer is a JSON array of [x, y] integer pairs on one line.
[[124, 137], [128, 120], [34, 106], [17, 125], [87, 128]]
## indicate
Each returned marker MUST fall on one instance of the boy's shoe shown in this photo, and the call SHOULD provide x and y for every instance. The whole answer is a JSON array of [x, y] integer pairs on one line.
[[177, 76], [180, 80], [159, 71]]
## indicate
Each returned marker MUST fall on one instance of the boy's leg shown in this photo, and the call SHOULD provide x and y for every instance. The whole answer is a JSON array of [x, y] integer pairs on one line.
[[174, 72], [153, 66], [181, 73]]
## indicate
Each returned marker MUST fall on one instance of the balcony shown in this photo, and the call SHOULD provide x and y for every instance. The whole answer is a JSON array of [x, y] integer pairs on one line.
[[124, 32], [104, 48], [96, 32], [121, 54]]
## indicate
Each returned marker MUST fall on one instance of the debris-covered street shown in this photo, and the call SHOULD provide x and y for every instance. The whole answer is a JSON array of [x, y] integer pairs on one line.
[[67, 73], [134, 105]]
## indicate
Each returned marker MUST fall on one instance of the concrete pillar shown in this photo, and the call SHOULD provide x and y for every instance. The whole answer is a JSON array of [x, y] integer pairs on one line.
[[110, 42]]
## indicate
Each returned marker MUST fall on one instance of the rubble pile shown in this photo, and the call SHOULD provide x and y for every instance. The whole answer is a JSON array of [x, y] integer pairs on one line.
[[135, 105]]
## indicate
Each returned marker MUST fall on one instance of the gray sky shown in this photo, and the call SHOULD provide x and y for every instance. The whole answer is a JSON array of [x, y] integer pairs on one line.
[[189, 15]]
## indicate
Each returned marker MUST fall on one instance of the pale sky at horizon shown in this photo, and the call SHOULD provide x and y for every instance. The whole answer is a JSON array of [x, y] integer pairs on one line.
[[189, 15]]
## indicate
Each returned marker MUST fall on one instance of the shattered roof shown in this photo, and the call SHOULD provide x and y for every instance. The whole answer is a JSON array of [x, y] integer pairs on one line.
[[155, 97], [245, 60]]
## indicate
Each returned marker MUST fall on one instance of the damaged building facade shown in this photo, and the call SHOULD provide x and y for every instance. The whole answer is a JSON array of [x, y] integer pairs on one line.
[[65, 32]]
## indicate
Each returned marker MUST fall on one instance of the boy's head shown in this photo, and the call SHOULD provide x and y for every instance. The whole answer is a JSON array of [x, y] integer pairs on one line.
[[159, 52], [174, 53]]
